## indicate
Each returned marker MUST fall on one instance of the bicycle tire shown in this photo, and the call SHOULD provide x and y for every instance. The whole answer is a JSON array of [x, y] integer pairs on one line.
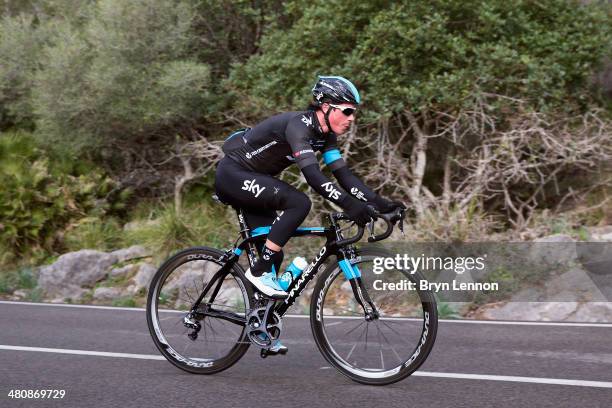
[[196, 366], [425, 340]]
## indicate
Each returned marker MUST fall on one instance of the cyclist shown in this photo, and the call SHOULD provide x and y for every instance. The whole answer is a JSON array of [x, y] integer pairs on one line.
[[245, 177]]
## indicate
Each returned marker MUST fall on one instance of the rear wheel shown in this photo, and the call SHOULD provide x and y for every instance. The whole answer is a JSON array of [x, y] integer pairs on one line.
[[212, 337], [379, 351]]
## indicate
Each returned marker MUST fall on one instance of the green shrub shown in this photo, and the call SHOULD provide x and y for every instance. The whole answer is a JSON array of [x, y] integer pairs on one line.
[[93, 233], [127, 73], [41, 196], [431, 55], [21, 42], [21, 278], [199, 224], [124, 302]]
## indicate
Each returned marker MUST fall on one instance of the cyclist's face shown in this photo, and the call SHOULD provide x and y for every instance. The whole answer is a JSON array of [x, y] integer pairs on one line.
[[339, 121]]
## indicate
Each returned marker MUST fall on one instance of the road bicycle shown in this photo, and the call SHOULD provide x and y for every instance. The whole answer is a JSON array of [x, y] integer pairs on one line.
[[203, 314]]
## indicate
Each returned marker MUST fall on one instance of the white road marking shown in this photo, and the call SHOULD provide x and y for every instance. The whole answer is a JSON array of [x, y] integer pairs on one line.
[[533, 380], [499, 322], [82, 352]]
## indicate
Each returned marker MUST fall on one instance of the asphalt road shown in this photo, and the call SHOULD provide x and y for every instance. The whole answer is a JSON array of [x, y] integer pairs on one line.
[[476, 364]]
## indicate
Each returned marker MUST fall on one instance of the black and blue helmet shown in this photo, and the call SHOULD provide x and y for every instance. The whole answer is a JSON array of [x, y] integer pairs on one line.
[[335, 89]]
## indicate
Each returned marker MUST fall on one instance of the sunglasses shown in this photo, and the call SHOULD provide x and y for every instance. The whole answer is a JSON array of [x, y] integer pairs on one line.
[[343, 109]]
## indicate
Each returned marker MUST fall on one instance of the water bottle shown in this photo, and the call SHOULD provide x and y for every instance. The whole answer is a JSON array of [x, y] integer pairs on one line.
[[292, 272]]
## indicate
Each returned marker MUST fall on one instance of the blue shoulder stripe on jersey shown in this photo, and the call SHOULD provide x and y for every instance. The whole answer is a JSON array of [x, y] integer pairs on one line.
[[331, 156], [350, 85], [235, 133]]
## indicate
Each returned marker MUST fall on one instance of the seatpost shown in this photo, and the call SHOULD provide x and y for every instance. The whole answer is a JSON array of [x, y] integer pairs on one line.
[[246, 233]]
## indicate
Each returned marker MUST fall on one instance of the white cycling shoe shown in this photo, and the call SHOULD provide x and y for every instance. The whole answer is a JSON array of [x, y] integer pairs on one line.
[[267, 284]]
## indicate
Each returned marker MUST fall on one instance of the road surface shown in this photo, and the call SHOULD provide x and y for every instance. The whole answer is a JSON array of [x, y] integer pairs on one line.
[[104, 357]]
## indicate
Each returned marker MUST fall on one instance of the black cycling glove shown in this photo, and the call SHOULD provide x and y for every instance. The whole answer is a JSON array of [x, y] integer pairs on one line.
[[358, 211], [385, 206]]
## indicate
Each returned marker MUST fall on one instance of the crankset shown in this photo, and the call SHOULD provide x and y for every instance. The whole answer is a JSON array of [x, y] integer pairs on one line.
[[263, 334]]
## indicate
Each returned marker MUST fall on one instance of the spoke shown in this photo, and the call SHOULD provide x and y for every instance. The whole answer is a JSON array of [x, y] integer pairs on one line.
[[227, 327], [366, 337], [350, 352], [382, 362], [352, 330], [395, 321], [391, 328], [205, 335], [167, 318], [197, 287], [191, 300], [392, 348], [185, 349], [213, 335]]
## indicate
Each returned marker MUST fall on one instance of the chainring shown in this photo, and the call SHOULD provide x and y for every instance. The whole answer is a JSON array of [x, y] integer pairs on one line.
[[258, 334]]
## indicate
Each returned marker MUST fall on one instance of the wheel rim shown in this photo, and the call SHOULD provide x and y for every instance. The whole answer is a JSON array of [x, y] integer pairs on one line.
[[383, 347], [175, 292]]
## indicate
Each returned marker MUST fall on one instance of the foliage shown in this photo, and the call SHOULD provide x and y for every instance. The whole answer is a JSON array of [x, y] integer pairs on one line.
[[13, 279], [200, 224], [432, 55], [490, 86], [40, 195], [128, 72], [20, 46], [124, 302], [447, 310], [103, 234]]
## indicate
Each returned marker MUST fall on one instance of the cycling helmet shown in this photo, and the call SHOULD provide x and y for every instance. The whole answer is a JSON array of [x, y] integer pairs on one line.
[[335, 89]]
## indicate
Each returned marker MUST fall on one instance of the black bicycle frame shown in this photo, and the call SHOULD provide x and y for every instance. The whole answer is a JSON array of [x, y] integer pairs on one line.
[[258, 236]]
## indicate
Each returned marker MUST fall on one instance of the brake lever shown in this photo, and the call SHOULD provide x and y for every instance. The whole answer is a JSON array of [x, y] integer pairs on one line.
[[371, 227]]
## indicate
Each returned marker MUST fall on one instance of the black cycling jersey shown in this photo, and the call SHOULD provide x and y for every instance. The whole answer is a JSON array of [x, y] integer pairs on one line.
[[260, 153], [279, 141]]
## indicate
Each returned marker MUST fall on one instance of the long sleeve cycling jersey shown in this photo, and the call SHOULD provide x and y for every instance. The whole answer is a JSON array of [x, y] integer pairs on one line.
[[293, 138]]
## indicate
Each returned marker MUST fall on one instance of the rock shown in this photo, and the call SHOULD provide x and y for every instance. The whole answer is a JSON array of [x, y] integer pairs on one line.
[[594, 312], [189, 276], [106, 293], [66, 277], [73, 293], [132, 252], [553, 249], [573, 285], [142, 279], [606, 237], [535, 311], [555, 238], [189, 280], [124, 271], [601, 233], [20, 294]]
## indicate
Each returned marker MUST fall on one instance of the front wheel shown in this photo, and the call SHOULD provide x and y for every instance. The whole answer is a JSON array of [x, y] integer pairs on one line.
[[382, 350]]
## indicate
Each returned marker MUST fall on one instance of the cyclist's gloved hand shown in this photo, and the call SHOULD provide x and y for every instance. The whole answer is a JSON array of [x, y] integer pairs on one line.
[[386, 206], [360, 212]]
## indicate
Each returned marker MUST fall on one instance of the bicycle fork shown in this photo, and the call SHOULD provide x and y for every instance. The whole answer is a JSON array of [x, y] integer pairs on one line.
[[353, 274]]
